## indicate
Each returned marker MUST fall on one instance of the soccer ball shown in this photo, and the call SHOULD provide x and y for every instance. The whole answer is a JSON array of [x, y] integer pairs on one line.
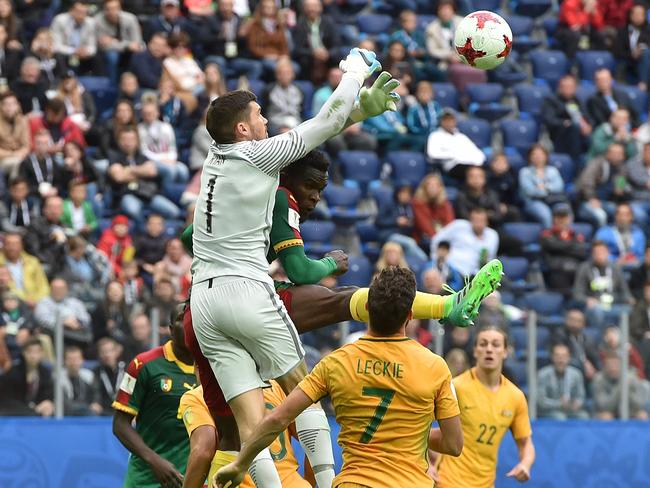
[[483, 40]]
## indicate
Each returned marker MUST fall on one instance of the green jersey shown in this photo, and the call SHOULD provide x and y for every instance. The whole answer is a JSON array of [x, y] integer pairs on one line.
[[151, 390]]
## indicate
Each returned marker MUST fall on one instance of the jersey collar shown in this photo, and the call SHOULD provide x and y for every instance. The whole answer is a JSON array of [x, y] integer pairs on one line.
[[384, 339], [171, 357]]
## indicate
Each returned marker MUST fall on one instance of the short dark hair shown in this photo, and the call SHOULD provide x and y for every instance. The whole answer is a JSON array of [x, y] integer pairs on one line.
[[444, 245], [73, 348], [478, 210], [599, 243], [55, 105], [225, 112], [7, 94], [390, 299], [178, 39], [32, 341], [485, 328], [315, 159], [17, 180]]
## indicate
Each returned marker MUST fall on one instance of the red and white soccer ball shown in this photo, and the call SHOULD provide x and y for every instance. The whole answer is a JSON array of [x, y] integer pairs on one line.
[[483, 40]]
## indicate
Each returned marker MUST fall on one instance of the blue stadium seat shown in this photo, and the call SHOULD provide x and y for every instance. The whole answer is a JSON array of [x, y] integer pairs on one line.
[[638, 97], [530, 99], [515, 159], [584, 229], [104, 93], [519, 134], [532, 8], [515, 268], [510, 72], [342, 202], [360, 166], [307, 89], [446, 95], [528, 233], [408, 167], [549, 66], [519, 371], [425, 20], [359, 272], [256, 86], [383, 195], [374, 24], [478, 130], [173, 228], [485, 101], [548, 305], [565, 165], [317, 236], [522, 27], [492, 5], [519, 336], [591, 61], [550, 26], [584, 91], [369, 238]]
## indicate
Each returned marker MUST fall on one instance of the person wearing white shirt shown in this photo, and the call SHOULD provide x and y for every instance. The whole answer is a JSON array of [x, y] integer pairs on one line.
[[472, 242], [74, 36], [451, 148]]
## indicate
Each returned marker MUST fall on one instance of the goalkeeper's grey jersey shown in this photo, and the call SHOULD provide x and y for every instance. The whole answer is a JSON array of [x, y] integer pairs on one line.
[[232, 219]]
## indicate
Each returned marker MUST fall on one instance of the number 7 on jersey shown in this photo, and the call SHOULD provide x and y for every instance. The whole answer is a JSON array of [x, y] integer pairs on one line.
[[386, 397]]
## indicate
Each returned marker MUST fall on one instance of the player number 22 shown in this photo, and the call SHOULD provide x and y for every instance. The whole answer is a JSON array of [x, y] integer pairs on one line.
[[490, 430], [386, 397]]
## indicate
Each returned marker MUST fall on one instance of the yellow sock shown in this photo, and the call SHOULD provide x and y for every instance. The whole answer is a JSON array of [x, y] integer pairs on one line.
[[425, 305], [220, 459]]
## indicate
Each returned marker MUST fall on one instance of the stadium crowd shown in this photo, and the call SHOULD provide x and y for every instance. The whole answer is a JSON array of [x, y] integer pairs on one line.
[[544, 162]]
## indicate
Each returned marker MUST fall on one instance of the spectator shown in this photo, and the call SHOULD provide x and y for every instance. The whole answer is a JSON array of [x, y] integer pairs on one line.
[[183, 70], [541, 186], [33, 13], [108, 374], [266, 35], [412, 37], [431, 208], [169, 20], [123, 117], [601, 183], [607, 99], [458, 361], [502, 179], [129, 89], [139, 340], [323, 93], [52, 65], [611, 344], [615, 14], [175, 264], [46, 238], [118, 35], [173, 112], [60, 309], [62, 128], [448, 274], [631, 44], [28, 279], [79, 104], [432, 281], [567, 119], [391, 254], [147, 65], [390, 128], [78, 385], [601, 286], [111, 317], [451, 148], [12, 23], [638, 174], [134, 180], [563, 250], [641, 275], [458, 338], [78, 168], [422, 116], [396, 62], [626, 241], [150, 245], [163, 302], [283, 100], [561, 387], [475, 193], [472, 242], [583, 349], [640, 327], [580, 26], [135, 291], [315, 38], [215, 86], [18, 213], [27, 388], [78, 214], [495, 312], [616, 130], [606, 388], [116, 243], [14, 134], [224, 43], [16, 323], [44, 177], [201, 142], [73, 35], [10, 60], [417, 330], [30, 87], [158, 144], [440, 34], [86, 270]]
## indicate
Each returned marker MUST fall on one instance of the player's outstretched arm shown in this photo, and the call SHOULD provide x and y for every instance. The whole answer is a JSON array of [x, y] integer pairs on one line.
[[273, 424], [521, 472], [448, 438], [164, 471]]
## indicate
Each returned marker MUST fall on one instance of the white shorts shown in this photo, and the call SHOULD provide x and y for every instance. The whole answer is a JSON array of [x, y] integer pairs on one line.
[[245, 333]]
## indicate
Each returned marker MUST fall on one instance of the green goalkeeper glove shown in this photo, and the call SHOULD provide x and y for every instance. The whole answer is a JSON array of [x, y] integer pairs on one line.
[[377, 99]]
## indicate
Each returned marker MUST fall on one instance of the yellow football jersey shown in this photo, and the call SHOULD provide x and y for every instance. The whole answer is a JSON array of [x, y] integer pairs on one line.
[[385, 392], [486, 416], [195, 413]]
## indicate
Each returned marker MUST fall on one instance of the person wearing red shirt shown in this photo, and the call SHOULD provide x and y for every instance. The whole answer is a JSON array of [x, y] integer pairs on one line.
[[61, 127], [431, 208], [581, 22]]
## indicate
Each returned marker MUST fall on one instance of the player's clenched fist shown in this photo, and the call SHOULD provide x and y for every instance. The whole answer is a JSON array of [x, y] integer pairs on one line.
[[341, 261], [229, 476]]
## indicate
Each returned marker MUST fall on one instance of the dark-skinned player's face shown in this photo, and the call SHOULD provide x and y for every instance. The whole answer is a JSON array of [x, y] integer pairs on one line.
[[176, 329], [307, 188]]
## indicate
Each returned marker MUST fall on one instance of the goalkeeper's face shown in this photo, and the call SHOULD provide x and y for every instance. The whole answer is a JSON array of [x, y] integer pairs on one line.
[[256, 123]]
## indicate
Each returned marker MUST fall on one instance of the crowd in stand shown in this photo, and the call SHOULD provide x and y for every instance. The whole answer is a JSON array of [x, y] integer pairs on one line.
[[102, 140]]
